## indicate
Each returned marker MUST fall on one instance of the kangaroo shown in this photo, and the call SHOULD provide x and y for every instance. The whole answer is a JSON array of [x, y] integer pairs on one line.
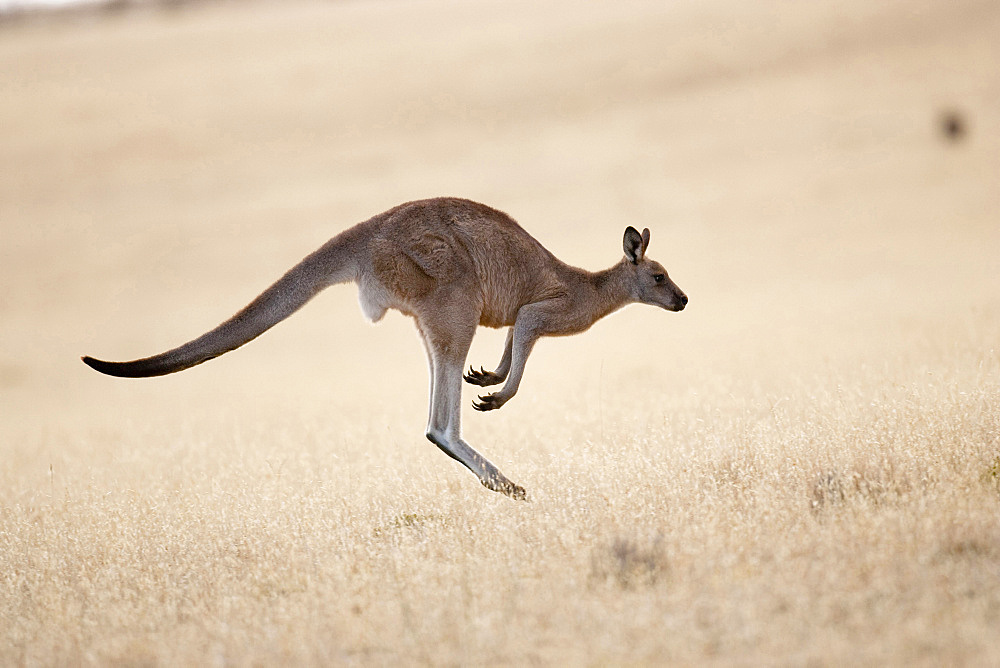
[[452, 265]]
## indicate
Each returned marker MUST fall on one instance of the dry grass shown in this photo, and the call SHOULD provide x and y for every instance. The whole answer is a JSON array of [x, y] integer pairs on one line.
[[803, 467]]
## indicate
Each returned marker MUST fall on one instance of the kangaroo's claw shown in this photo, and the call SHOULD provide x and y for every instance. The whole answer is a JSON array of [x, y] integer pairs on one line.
[[482, 377], [488, 402]]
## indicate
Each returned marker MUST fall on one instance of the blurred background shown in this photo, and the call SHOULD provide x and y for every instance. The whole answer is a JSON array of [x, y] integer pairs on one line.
[[821, 179]]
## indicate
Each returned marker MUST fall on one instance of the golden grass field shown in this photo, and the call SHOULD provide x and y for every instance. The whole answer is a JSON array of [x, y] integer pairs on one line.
[[801, 468]]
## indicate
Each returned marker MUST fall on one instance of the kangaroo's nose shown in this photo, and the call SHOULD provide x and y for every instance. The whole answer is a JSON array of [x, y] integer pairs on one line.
[[684, 300]]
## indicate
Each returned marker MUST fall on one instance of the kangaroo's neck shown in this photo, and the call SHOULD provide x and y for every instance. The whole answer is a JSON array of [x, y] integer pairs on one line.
[[611, 289], [596, 294]]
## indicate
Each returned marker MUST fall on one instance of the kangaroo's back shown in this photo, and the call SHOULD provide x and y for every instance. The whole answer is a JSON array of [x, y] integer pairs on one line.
[[461, 242]]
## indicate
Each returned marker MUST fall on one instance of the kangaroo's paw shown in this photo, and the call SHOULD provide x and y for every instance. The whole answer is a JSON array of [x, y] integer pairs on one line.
[[506, 487], [483, 378], [488, 402]]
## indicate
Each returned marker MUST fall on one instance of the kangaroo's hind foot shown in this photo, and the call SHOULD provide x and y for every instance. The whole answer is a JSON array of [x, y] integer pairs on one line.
[[505, 486]]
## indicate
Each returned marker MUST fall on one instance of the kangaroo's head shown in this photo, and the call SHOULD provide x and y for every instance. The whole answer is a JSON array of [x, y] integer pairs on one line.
[[651, 284]]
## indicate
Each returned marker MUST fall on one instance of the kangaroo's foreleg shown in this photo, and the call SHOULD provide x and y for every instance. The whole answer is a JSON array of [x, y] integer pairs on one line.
[[528, 327], [484, 378], [444, 428]]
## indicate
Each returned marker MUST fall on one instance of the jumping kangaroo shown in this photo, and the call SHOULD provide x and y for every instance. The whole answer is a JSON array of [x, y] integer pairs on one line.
[[451, 265]]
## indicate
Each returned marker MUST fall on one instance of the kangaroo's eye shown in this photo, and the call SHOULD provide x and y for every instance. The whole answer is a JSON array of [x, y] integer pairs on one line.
[[658, 278]]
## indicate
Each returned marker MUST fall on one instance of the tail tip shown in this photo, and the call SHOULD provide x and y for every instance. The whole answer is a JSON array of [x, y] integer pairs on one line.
[[98, 365]]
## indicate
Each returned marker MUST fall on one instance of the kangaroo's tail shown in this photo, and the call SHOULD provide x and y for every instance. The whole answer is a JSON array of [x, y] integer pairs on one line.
[[333, 263]]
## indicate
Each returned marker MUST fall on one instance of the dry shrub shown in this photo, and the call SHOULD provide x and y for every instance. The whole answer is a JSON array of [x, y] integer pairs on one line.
[[869, 484], [991, 476], [629, 562]]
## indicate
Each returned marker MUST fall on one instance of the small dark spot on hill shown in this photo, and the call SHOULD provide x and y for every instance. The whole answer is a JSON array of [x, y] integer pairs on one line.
[[953, 125]]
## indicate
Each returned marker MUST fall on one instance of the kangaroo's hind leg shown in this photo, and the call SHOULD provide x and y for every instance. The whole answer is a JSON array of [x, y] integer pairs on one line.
[[485, 378], [447, 346]]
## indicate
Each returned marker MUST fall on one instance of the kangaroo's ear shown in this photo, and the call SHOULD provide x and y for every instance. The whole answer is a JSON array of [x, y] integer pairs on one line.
[[645, 240], [634, 247]]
